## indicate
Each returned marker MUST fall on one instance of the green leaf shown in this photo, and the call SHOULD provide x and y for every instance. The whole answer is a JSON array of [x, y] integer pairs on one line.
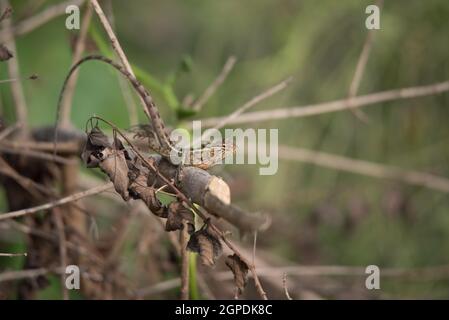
[[183, 113]]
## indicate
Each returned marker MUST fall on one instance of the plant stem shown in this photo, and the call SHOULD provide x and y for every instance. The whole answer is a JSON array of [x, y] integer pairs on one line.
[[194, 294]]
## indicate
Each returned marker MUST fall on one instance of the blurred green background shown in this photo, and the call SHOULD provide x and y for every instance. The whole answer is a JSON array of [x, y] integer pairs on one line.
[[320, 216]]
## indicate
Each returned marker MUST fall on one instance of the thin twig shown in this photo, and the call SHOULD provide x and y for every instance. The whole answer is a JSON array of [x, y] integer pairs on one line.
[[365, 168], [254, 247], [360, 70], [210, 90], [43, 17], [13, 254], [72, 147], [333, 106], [53, 237], [23, 274], [432, 272], [34, 188], [237, 113], [357, 78], [36, 154], [32, 77], [52, 204], [59, 222], [66, 102], [255, 100], [5, 133], [33, 273], [183, 238], [284, 284]]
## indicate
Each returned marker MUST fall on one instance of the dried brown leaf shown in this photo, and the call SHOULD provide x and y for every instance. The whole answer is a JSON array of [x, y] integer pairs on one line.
[[97, 138], [240, 271], [207, 244], [176, 214], [113, 163], [206, 250], [96, 142], [139, 190]]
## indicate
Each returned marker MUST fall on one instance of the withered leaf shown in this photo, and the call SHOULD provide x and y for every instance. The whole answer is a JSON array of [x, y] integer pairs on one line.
[[207, 244], [5, 54], [138, 189], [113, 163], [240, 271], [96, 142], [176, 213], [96, 138]]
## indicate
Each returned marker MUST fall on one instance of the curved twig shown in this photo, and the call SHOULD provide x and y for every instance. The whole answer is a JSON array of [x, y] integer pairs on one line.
[[333, 106]]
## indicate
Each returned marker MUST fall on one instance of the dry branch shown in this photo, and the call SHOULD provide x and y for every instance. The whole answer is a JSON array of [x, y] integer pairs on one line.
[[360, 69], [284, 284], [210, 90], [333, 106], [17, 275], [34, 273], [365, 168], [212, 193], [34, 188], [2, 254], [9, 130], [52, 204], [35, 154], [53, 237], [234, 116]]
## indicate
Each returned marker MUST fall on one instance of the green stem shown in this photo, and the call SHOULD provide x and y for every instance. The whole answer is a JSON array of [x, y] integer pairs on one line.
[[193, 286]]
